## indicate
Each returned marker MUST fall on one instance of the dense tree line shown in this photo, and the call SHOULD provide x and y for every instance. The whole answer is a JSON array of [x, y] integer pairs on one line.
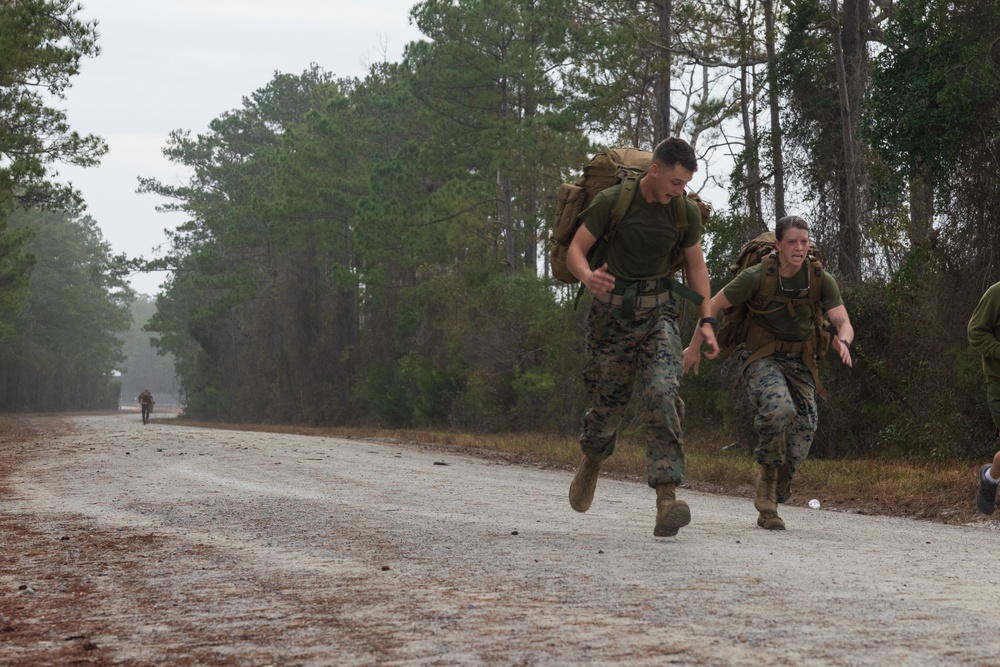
[[66, 339], [63, 296]]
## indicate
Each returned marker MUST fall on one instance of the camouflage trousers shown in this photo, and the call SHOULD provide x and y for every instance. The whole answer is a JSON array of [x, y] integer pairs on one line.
[[781, 389], [647, 349]]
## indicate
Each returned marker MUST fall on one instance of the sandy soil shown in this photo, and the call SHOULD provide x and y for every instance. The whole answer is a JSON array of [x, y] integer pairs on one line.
[[129, 545]]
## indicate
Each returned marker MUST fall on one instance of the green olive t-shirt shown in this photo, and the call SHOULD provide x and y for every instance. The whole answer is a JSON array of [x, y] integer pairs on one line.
[[645, 238], [744, 288]]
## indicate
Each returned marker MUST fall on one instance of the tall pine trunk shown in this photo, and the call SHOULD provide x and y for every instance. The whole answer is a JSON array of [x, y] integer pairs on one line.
[[851, 63], [661, 114], [777, 157]]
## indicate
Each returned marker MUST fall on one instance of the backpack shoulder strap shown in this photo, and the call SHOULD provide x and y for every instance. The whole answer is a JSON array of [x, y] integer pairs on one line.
[[768, 279], [815, 282], [682, 218], [626, 193], [625, 196]]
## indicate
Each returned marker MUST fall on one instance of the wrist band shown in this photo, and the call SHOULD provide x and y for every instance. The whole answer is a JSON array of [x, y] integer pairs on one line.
[[707, 320], [846, 344]]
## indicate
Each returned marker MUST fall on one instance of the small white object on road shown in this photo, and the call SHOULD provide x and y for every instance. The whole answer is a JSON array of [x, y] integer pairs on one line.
[[814, 504]]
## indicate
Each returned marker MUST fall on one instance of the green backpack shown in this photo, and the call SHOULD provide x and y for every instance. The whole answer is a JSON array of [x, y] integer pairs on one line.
[[607, 168]]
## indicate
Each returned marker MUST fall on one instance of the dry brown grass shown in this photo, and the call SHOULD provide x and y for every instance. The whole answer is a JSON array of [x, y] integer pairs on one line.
[[939, 491]]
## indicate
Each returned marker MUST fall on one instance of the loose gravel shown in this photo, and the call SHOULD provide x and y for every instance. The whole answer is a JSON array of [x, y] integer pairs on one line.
[[126, 544]]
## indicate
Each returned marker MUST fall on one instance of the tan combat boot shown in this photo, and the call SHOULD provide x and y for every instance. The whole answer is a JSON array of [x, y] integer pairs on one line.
[[766, 501], [581, 490], [671, 514], [783, 488]]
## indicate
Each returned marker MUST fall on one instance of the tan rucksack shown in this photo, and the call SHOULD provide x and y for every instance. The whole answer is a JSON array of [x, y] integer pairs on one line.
[[607, 168], [738, 329]]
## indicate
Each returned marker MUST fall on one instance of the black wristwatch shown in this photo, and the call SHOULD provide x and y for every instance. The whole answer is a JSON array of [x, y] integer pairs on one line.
[[846, 344], [707, 320]]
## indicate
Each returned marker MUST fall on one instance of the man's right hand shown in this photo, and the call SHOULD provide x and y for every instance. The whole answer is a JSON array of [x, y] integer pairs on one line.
[[600, 281]]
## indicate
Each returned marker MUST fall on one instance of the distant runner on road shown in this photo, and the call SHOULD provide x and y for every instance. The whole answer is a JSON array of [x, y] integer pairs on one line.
[[146, 405]]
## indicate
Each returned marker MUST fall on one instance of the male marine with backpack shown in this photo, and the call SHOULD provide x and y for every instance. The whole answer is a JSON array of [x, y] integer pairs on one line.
[[632, 329], [786, 297]]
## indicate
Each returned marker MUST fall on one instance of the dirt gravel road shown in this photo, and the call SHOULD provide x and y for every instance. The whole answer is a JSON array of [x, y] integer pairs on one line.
[[169, 545]]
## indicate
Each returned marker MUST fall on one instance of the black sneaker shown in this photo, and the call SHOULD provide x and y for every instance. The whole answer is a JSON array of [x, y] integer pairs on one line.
[[986, 497]]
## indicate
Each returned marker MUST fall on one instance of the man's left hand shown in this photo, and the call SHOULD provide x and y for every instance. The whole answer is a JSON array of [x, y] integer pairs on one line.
[[843, 351]]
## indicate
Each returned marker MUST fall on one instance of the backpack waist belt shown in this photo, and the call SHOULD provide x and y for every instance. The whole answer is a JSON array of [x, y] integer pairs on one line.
[[650, 286], [656, 286], [637, 300], [631, 294], [634, 291], [764, 344]]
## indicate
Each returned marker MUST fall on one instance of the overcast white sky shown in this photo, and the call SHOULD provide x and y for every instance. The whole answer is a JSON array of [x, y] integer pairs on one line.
[[181, 63]]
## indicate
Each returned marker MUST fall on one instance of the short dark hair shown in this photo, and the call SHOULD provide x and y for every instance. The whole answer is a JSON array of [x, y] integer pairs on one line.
[[786, 223], [674, 150]]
